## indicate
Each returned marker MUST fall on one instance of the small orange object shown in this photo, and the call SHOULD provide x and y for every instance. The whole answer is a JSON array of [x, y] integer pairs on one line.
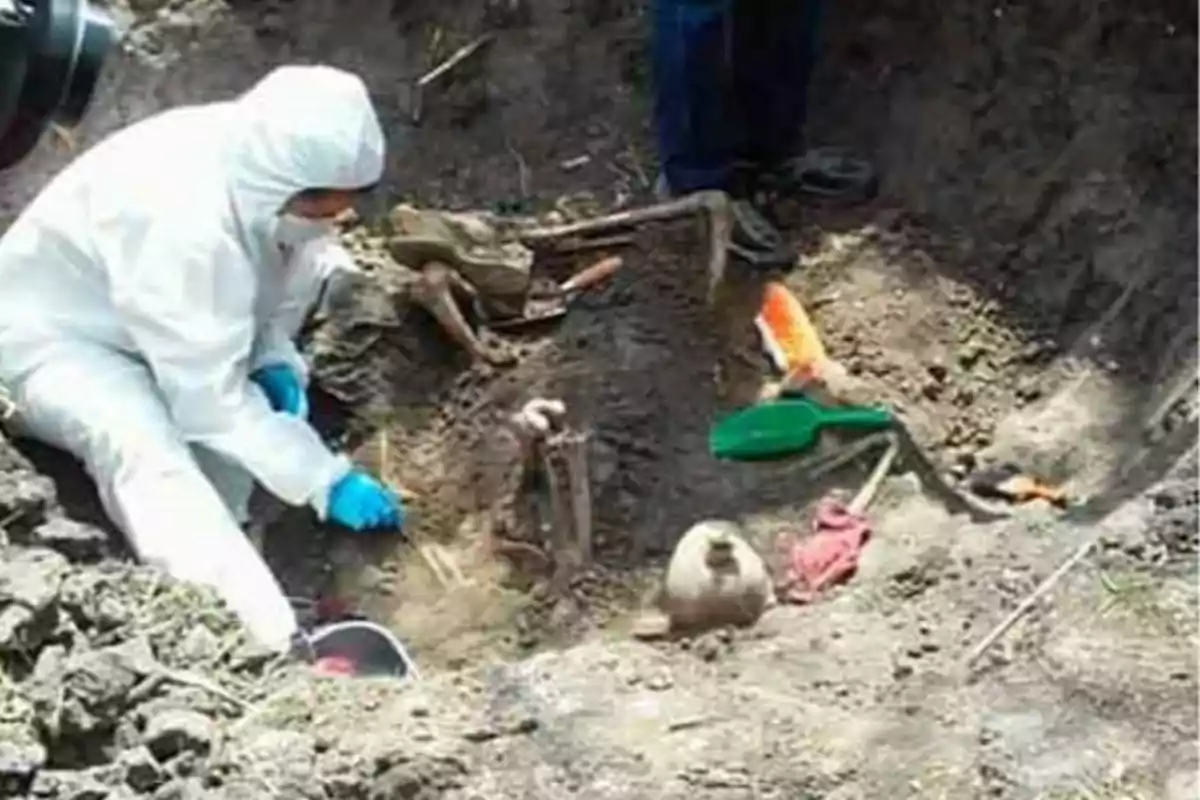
[[586, 278], [1009, 482], [789, 336]]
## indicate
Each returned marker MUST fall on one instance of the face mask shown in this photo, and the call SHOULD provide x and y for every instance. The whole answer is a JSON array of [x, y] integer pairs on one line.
[[293, 231]]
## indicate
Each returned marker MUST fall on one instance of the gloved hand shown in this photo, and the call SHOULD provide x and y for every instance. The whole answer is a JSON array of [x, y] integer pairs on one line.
[[360, 502], [283, 389]]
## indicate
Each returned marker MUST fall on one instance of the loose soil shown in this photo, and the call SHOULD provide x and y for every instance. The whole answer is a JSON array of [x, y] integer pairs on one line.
[[959, 320], [1024, 287]]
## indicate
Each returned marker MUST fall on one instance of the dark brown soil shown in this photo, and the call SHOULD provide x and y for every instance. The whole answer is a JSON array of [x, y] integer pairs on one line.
[[967, 294]]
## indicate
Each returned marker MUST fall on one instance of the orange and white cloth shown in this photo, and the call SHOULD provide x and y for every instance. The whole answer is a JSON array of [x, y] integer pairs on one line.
[[794, 346]]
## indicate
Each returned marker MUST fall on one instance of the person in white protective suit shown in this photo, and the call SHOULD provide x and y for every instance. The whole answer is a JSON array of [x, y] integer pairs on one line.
[[149, 298]]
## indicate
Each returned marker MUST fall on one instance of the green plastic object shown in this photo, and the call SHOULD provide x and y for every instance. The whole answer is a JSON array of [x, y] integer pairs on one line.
[[788, 426]]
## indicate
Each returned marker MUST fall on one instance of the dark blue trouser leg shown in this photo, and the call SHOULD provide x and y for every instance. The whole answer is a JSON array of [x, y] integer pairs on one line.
[[774, 51], [694, 111]]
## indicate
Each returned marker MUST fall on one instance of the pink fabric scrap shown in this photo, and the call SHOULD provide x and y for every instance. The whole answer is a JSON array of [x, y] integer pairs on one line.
[[829, 556], [336, 666]]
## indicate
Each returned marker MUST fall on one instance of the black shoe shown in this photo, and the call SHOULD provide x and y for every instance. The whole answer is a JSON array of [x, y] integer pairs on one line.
[[755, 239], [827, 172]]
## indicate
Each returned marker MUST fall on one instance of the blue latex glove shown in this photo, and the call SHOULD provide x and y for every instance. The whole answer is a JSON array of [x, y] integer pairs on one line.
[[360, 502], [283, 389]]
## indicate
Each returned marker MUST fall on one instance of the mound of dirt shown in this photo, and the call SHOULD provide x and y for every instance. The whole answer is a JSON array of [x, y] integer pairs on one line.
[[117, 683], [92, 649]]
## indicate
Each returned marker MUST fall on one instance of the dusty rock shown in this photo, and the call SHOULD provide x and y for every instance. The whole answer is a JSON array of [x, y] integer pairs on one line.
[[200, 644], [24, 499], [19, 762], [185, 789], [76, 540], [31, 577], [419, 780], [29, 583], [68, 785], [141, 771], [17, 626], [95, 686], [170, 733], [96, 601], [287, 759], [1183, 785]]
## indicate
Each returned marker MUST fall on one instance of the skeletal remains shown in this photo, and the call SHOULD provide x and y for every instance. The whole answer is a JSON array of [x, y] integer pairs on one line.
[[486, 261], [559, 452], [714, 577]]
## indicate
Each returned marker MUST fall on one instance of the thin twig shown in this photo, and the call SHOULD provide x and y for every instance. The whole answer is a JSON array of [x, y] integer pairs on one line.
[[416, 101], [869, 489], [435, 568], [713, 205], [1029, 602], [457, 57], [819, 464], [1091, 339], [385, 471], [450, 564], [66, 136], [575, 163], [383, 456], [674, 209], [635, 164], [196, 682], [689, 723], [522, 171], [568, 246]]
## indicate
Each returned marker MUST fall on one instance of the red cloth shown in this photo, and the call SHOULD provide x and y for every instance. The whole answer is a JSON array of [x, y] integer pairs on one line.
[[329, 609], [336, 666], [829, 556]]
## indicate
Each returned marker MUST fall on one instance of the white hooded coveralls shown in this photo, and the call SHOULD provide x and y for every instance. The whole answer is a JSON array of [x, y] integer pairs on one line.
[[143, 286]]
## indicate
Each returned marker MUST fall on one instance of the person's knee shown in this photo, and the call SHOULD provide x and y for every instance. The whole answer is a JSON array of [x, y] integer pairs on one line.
[[102, 407], [121, 450]]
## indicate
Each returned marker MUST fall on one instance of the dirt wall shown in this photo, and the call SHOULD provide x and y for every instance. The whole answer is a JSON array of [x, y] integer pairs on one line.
[[1043, 127], [1040, 135]]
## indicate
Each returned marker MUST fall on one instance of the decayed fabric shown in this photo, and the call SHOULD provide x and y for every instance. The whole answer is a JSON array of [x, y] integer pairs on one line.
[[829, 556], [145, 284]]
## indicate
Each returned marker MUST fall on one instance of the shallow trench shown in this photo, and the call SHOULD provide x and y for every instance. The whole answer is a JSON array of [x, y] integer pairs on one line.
[[1028, 193], [1034, 242]]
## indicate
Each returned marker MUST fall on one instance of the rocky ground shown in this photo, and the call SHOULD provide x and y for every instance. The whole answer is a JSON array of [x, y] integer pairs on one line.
[[119, 683], [1023, 287]]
